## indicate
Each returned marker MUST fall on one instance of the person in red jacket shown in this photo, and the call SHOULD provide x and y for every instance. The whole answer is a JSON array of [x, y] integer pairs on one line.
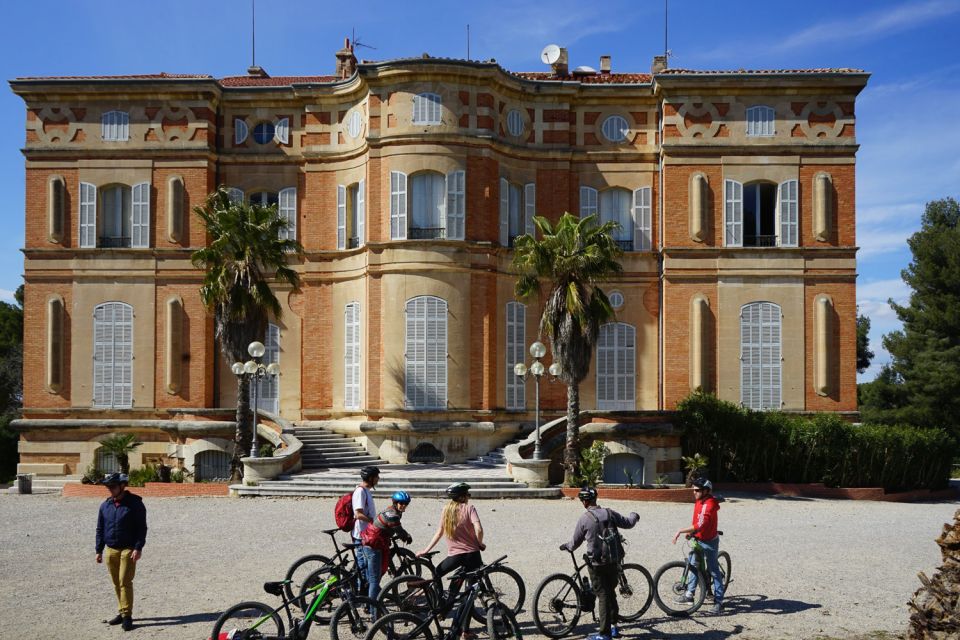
[[704, 529]]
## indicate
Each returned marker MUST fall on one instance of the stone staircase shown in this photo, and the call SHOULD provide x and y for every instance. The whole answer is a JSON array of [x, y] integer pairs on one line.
[[494, 458], [323, 449]]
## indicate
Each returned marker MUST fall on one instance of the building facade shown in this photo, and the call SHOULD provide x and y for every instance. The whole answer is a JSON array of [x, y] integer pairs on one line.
[[406, 182]]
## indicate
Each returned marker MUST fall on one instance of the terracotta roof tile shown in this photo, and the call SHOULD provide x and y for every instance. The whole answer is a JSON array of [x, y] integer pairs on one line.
[[758, 72], [595, 78], [140, 76], [274, 81]]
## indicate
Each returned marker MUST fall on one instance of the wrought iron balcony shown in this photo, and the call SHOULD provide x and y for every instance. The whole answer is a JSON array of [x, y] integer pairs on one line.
[[626, 245], [427, 233], [353, 243], [114, 242], [760, 241]]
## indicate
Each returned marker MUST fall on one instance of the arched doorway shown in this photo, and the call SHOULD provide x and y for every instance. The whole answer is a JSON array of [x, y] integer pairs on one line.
[[623, 468]]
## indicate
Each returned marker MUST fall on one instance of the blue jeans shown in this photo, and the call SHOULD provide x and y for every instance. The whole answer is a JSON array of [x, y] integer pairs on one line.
[[372, 559], [710, 550], [361, 560]]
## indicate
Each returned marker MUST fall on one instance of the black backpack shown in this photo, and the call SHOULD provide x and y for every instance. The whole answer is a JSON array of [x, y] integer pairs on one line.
[[611, 543]]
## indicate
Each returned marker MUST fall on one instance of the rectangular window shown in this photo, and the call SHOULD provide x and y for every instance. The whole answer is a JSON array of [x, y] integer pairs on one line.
[[88, 215], [615, 207], [141, 216], [516, 335], [341, 217], [616, 367], [269, 392], [643, 218], [113, 356], [115, 126], [760, 121], [426, 353], [788, 203], [287, 209], [426, 108], [760, 356], [427, 200], [398, 205], [733, 213], [588, 202], [456, 205]]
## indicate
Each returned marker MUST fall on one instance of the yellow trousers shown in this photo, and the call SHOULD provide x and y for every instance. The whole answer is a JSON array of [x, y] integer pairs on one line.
[[122, 569]]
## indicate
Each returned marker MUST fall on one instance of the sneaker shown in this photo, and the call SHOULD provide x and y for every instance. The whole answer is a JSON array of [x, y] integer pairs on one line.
[[684, 599], [598, 636], [715, 609], [115, 620], [127, 623], [614, 632]]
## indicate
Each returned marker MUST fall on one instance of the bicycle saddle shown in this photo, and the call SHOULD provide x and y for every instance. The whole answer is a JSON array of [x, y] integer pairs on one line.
[[275, 588], [330, 532], [351, 545]]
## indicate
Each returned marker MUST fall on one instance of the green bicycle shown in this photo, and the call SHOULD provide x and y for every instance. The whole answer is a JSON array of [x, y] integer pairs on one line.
[[673, 579], [258, 621]]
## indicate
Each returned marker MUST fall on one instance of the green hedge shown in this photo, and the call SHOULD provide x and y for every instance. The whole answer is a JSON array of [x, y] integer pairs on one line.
[[752, 446]]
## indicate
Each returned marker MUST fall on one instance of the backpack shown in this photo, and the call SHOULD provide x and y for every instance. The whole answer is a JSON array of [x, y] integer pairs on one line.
[[611, 545], [343, 513]]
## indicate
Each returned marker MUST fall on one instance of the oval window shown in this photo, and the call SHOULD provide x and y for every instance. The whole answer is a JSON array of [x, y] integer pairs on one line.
[[354, 124], [616, 299], [615, 128], [263, 132], [515, 123]]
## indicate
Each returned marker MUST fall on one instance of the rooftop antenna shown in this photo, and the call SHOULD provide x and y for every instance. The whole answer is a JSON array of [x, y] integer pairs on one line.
[[666, 23], [253, 33], [356, 41], [468, 41]]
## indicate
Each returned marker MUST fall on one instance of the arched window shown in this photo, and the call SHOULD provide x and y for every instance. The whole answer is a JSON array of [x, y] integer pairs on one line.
[[426, 108], [760, 121], [113, 356], [265, 198], [615, 207], [116, 219], [616, 367], [425, 369], [760, 349], [516, 333], [351, 356]]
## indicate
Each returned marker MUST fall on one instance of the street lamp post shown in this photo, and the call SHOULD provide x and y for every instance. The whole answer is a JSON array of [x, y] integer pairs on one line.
[[255, 371], [537, 350]]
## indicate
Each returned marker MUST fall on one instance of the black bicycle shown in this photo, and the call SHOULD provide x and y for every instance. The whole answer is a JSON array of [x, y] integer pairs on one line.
[[498, 583], [672, 581], [561, 598], [402, 562], [410, 624]]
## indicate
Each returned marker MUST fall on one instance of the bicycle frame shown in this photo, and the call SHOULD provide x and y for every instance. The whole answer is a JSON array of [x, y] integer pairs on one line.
[[695, 558], [300, 630]]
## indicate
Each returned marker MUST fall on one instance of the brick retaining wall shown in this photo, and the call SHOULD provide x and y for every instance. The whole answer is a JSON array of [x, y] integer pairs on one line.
[[152, 490]]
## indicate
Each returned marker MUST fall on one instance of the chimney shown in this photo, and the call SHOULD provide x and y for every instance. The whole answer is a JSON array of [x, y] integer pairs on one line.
[[605, 65], [659, 64], [560, 67], [257, 71], [346, 61]]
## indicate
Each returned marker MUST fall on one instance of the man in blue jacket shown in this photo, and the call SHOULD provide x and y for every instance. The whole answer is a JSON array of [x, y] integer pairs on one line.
[[121, 534]]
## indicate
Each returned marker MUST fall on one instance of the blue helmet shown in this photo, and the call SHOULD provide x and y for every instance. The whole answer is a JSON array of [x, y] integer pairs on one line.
[[401, 497]]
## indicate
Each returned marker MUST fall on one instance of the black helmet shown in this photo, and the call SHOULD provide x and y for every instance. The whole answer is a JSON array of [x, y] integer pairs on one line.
[[458, 490], [703, 483], [369, 471], [115, 478], [587, 494]]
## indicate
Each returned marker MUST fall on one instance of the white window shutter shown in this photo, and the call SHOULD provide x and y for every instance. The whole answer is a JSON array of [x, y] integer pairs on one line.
[[504, 212], [760, 356], [642, 219], [733, 213], [88, 215], [240, 131], [361, 213], [398, 205], [140, 213], [787, 212], [588, 202], [425, 370], [269, 397], [113, 356], [287, 208], [456, 206], [281, 131], [530, 208], [341, 217], [351, 356]]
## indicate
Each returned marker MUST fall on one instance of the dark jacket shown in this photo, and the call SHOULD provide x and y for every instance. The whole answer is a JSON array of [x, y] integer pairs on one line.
[[591, 524], [124, 525]]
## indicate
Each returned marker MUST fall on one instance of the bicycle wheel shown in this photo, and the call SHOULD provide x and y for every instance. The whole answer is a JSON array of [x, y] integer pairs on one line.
[[408, 594], [502, 624], [299, 571], [509, 587], [724, 559], [557, 605], [353, 619], [329, 604], [253, 620], [408, 564], [634, 591], [400, 626], [670, 585]]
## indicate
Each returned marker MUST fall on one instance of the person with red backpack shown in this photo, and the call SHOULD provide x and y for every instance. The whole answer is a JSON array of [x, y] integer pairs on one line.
[[704, 529], [354, 512], [599, 529], [376, 540]]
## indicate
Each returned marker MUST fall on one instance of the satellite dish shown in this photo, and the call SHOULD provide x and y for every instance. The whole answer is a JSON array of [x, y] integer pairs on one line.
[[550, 54]]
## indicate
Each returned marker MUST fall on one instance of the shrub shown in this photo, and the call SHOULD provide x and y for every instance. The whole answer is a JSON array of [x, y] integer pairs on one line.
[[92, 475], [142, 475], [121, 445], [752, 446], [591, 464]]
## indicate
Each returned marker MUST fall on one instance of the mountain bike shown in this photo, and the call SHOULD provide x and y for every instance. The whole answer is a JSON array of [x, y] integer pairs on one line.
[[402, 562], [409, 625], [499, 583], [673, 579], [561, 598], [258, 621]]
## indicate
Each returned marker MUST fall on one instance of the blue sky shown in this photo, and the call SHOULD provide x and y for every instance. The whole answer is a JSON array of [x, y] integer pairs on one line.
[[908, 118]]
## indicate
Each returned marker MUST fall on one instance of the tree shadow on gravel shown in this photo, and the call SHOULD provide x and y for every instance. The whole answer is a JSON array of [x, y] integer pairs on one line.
[[756, 603], [174, 621]]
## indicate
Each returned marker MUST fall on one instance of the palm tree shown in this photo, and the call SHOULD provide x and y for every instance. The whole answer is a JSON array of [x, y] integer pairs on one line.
[[121, 446], [244, 253], [570, 259]]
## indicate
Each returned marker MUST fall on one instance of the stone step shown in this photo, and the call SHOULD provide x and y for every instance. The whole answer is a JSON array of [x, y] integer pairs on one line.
[[335, 447], [348, 484], [285, 489]]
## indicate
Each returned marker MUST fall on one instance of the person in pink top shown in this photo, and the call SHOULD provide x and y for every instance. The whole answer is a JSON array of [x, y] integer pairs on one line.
[[460, 525]]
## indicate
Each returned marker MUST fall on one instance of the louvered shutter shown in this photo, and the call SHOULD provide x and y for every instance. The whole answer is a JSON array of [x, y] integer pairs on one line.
[[361, 214], [642, 220], [351, 356], [341, 217], [588, 202], [760, 355], [140, 212], [269, 394], [287, 209], [516, 333], [88, 215], [426, 353], [281, 132], [398, 205], [456, 206], [616, 367], [436, 353], [604, 367], [504, 212], [733, 213], [240, 131], [530, 208], [787, 202], [113, 355]]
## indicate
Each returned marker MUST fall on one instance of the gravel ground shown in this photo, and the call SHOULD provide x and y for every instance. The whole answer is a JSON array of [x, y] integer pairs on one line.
[[801, 568]]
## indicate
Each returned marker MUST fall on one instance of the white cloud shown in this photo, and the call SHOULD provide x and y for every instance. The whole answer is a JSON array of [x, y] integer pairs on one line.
[[879, 242], [7, 296], [894, 288]]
